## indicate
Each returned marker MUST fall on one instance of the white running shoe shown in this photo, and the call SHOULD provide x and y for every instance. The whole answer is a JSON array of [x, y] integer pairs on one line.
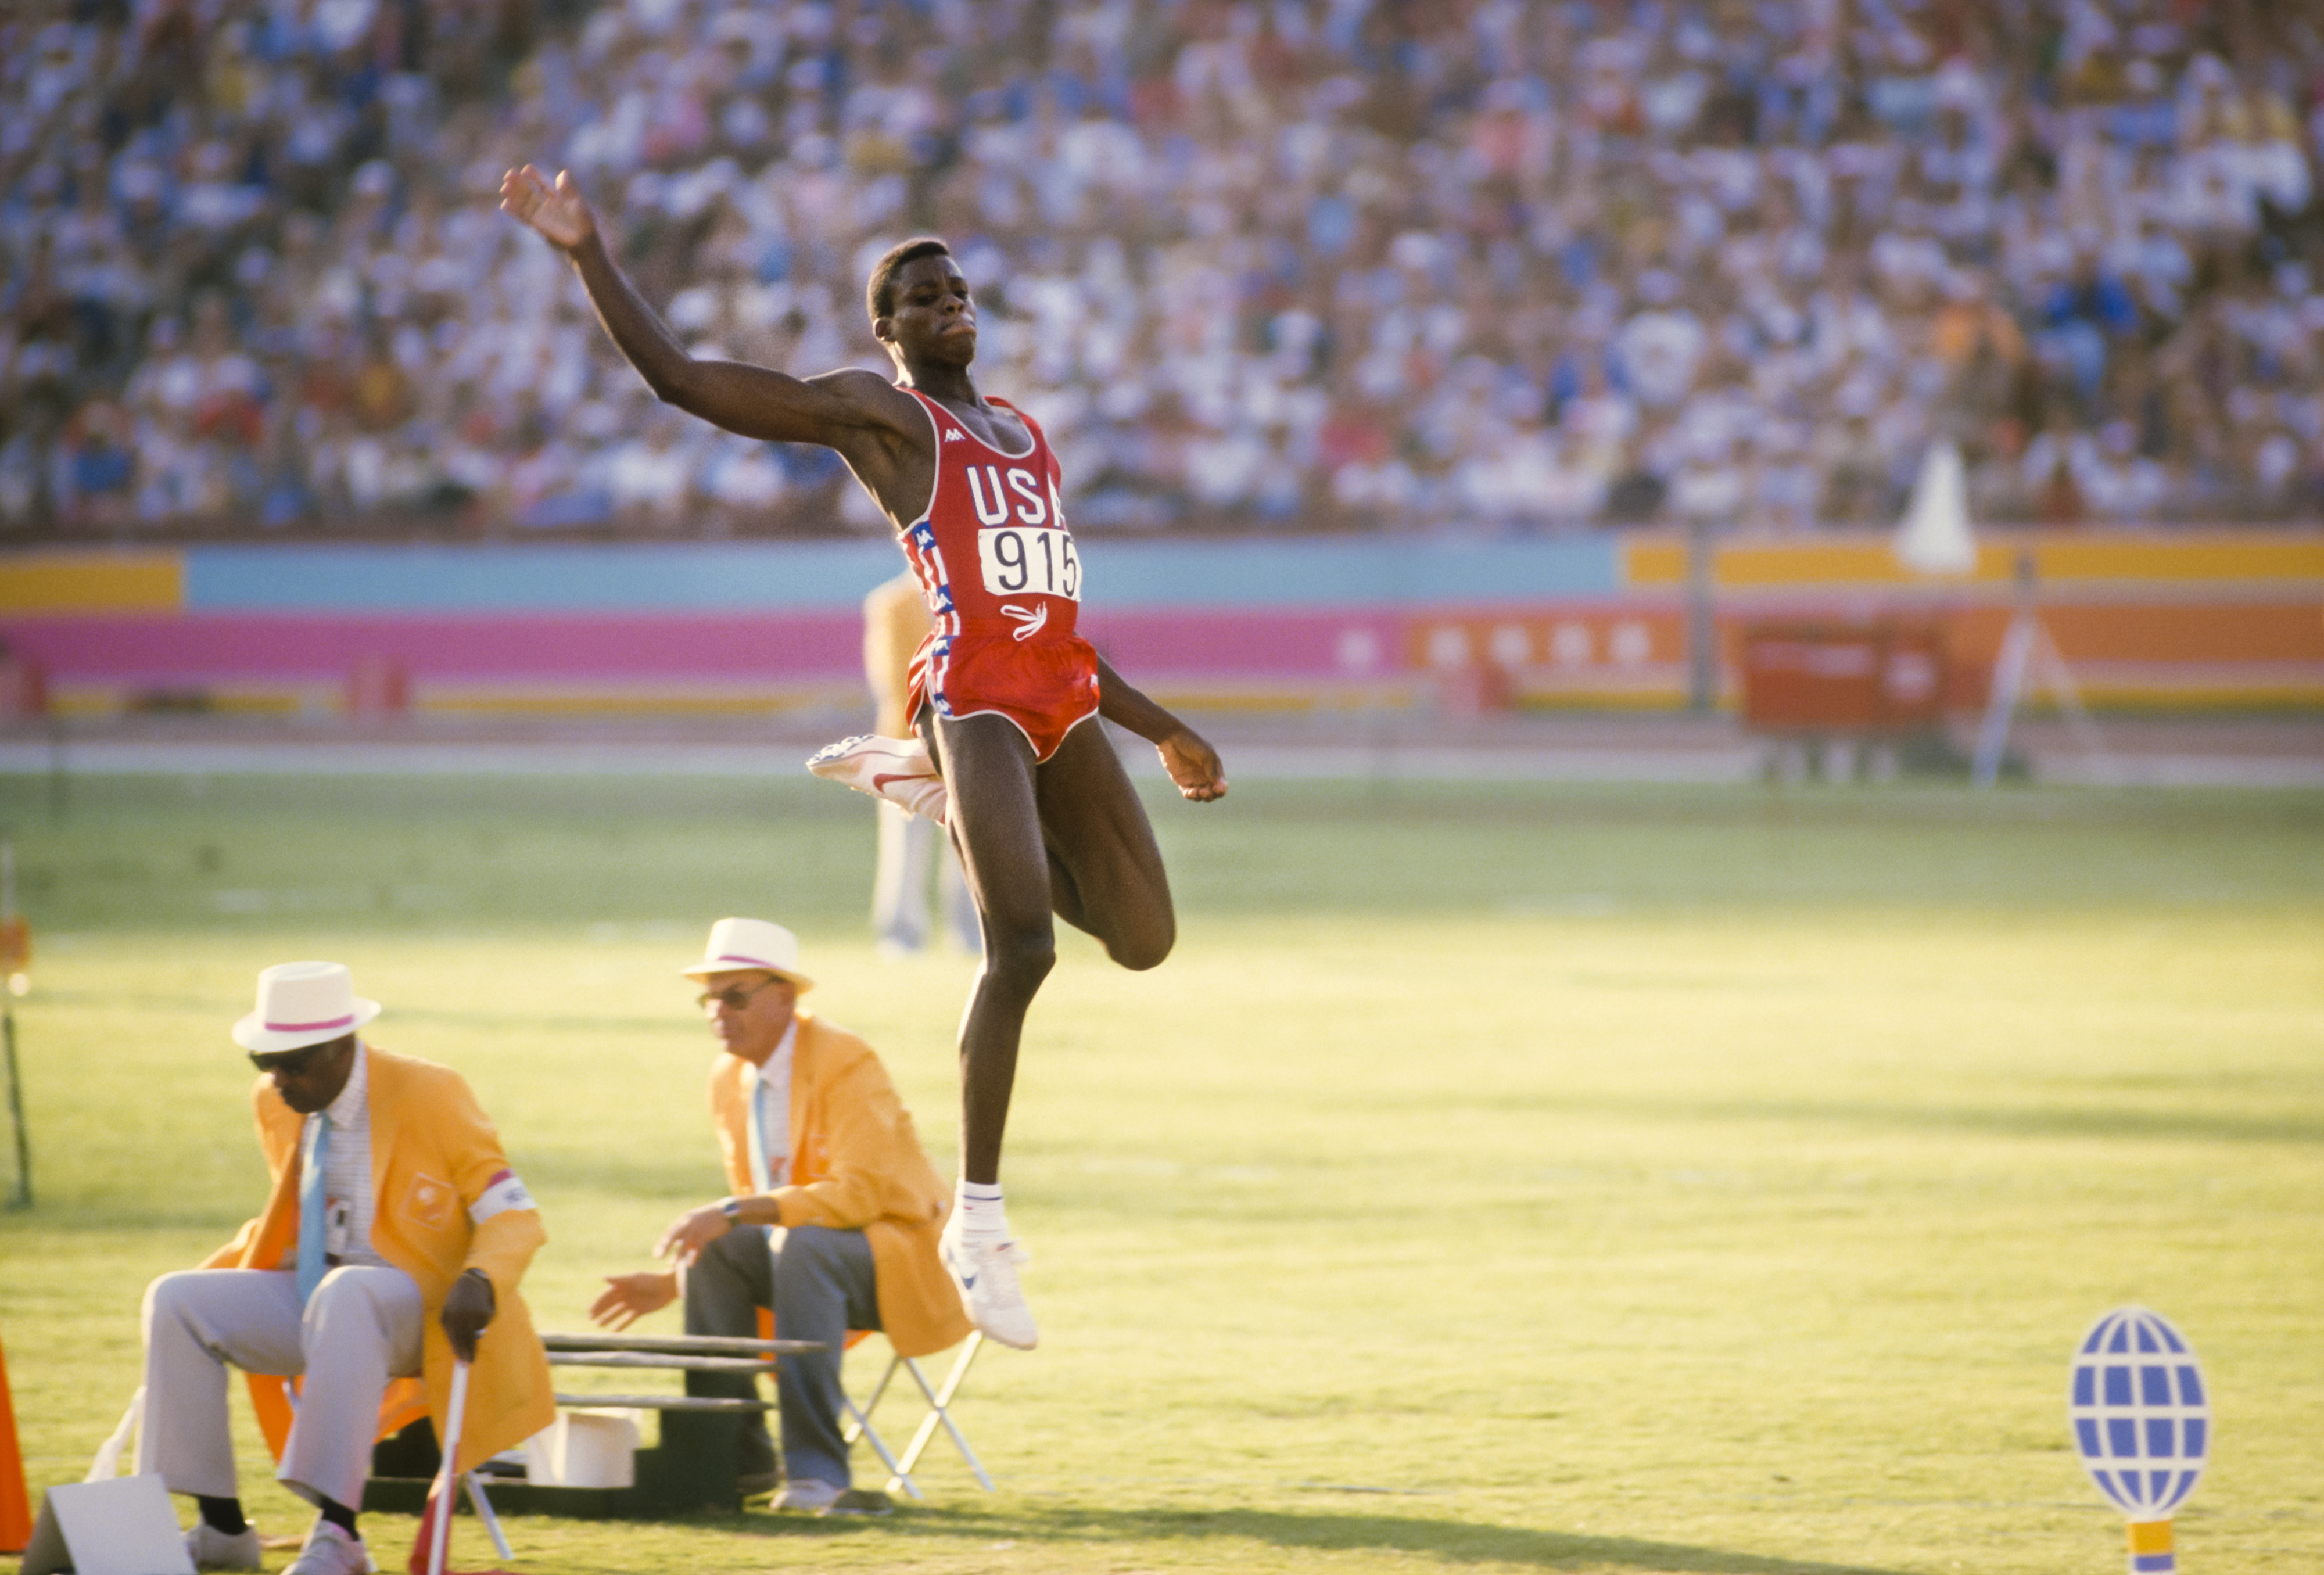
[[330, 1552], [897, 770], [985, 1270], [212, 1549], [808, 1494]]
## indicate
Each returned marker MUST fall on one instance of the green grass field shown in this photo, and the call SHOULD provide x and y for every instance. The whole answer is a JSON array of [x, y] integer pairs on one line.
[[1600, 1179]]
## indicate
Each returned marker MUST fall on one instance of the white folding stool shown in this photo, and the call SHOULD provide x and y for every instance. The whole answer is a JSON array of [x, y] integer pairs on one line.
[[859, 1423]]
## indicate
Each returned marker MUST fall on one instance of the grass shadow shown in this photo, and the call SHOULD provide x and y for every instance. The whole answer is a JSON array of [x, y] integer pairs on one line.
[[1447, 1541]]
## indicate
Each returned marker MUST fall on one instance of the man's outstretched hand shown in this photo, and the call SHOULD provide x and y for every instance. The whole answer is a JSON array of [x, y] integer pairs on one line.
[[1194, 765], [630, 1297], [558, 212], [692, 1231]]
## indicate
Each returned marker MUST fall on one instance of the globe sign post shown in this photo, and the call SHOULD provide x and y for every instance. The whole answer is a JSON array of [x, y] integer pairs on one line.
[[2141, 1422]]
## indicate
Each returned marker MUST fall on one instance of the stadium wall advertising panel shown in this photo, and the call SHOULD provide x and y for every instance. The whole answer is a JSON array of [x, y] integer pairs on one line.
[[2189, 618]]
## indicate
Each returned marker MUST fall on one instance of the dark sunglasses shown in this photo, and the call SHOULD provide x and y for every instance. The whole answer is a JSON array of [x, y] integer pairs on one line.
[[294, 1062], [735, 996]]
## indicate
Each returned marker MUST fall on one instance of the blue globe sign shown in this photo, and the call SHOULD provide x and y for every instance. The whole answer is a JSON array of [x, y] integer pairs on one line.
[[2142, 1421]]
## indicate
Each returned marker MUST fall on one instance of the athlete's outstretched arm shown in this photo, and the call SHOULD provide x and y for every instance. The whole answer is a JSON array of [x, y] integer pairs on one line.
[[837, 410], [1193, 764]]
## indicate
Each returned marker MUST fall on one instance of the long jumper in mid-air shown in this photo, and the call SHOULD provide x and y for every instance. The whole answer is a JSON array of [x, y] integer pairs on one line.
[[1039, 806]]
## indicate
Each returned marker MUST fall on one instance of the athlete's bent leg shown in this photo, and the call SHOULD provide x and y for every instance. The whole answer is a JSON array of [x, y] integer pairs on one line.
[[1108, 878], [1067, 835]]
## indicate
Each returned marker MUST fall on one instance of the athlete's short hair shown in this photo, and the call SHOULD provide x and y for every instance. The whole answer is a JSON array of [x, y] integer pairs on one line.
[[880, 294]]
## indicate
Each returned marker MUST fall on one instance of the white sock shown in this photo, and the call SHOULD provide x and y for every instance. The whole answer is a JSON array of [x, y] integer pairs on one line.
[[981, 1209]]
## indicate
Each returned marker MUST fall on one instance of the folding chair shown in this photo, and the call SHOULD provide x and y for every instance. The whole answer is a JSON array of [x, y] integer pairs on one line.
[[939, 1401]]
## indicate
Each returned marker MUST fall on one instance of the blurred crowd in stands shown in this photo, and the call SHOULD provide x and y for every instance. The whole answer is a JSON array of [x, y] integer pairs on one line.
[[1280, 266]]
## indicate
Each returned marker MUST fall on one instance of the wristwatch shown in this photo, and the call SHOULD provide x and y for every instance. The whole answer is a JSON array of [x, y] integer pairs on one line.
[[732, 1208]]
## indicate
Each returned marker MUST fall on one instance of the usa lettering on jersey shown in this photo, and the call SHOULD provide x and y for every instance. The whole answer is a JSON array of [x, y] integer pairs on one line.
[[1030, 506]]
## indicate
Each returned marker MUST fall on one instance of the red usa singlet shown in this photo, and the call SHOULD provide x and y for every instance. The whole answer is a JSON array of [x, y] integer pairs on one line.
[[998, 569]]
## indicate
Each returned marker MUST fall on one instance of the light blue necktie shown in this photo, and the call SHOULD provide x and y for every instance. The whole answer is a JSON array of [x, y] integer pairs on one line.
[[313, 1227], [761, 1174]]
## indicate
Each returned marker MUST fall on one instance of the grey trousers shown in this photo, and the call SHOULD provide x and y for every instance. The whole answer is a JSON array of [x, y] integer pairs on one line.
[[360, 1329], [820, 1284]]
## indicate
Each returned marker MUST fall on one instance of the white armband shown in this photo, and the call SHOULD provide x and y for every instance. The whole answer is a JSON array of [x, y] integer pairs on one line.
[[505, 1191]]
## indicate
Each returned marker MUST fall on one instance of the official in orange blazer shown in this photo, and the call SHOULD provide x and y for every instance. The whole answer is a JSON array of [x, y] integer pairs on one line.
[[394, 1237], [833, 1220]]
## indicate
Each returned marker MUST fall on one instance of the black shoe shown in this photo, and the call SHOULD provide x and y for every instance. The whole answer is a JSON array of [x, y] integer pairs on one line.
[[757, 1484]]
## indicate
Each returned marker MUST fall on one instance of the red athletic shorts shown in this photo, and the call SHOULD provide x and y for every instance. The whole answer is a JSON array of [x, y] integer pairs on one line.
[[1045, 686]]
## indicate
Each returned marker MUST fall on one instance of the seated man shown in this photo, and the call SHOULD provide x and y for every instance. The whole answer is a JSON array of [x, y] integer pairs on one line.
[[393, 1239], [834, 1219]]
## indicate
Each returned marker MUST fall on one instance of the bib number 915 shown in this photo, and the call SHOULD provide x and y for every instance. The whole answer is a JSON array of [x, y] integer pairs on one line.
[[1020, 561]]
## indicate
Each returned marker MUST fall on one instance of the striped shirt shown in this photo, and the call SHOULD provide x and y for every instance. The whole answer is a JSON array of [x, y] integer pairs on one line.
[[346, 1167]]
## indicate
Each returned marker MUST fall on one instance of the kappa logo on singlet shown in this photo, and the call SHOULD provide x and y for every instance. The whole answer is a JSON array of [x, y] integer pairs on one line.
[[953, 434]]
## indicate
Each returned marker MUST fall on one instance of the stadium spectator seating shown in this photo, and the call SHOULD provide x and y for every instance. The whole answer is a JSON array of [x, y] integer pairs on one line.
[[1263, 267]]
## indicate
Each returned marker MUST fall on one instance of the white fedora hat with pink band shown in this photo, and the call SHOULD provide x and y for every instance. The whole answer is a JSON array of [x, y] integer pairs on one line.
[[740, 944], [301, 1004]]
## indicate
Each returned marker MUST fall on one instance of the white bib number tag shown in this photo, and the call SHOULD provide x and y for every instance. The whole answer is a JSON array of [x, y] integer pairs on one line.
[[1020, 560]]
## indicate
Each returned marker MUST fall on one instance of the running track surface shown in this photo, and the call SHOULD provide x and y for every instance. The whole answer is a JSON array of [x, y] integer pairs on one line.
[[2287, 753]]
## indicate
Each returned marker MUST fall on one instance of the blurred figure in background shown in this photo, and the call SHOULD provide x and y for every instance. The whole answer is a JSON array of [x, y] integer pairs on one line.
[[895, 621]]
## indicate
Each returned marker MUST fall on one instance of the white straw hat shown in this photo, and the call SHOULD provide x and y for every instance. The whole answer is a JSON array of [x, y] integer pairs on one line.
[[301, 1004], [737, 945]]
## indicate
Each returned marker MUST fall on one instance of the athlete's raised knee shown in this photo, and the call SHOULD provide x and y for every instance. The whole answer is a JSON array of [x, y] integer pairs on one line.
[[1143, 946]]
